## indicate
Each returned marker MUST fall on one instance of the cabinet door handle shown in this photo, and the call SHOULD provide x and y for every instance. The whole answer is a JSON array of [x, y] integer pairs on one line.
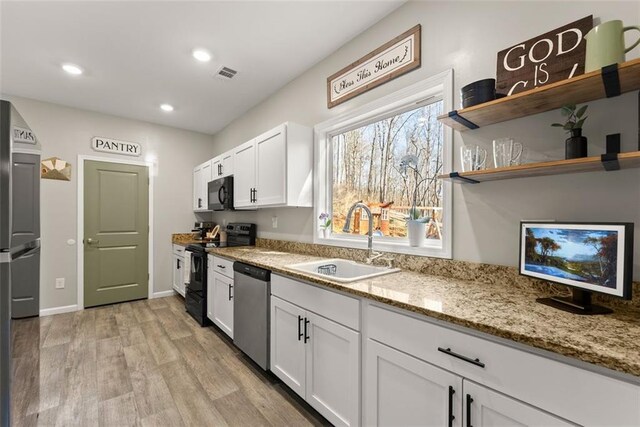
[[469, 402], [451, 416], [221, 169], [178, 264], [300, 335], [199, 202], [448, 351], [230, 296], [306, 336]]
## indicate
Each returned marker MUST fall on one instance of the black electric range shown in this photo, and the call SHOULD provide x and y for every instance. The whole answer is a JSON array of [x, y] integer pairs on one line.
[[238, 234]]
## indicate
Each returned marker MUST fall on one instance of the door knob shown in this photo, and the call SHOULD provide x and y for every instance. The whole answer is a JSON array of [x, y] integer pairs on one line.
[[91, 241]]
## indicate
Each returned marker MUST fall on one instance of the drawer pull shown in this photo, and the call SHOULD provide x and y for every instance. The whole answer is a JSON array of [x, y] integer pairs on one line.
[[448, 351], [221, 266]]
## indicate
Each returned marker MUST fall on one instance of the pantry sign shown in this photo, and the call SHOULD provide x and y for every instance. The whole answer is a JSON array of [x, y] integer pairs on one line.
[[114, 146], [391, 60]]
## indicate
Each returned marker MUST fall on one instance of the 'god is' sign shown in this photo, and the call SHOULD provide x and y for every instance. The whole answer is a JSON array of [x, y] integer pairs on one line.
[[548, 58]]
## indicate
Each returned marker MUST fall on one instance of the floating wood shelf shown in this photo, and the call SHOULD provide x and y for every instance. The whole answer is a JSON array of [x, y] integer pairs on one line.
[[583, 88], [556, 167]]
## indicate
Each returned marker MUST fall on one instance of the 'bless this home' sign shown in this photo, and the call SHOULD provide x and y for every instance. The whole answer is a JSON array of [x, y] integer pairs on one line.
[[387, 62], [116, 147], [548, 58]]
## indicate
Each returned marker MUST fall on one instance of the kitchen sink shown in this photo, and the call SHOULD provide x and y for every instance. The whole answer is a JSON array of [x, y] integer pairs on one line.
[[341, 270]]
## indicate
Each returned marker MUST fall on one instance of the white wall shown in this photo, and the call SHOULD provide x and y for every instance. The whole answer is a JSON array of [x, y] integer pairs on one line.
[[66, 133], [466, 36]]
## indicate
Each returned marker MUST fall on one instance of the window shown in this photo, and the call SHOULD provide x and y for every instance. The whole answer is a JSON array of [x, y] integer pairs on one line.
[[388, 154]]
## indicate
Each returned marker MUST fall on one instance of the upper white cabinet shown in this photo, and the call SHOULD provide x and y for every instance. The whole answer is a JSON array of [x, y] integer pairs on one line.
[[244, 176], [282, 172], [222, 166], [202, 174]]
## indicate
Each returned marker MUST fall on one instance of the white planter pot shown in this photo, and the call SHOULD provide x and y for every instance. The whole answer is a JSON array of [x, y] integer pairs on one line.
[[417, 233]]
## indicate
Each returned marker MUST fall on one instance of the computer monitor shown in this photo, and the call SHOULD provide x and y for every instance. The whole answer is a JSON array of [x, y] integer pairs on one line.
[[588, 257]]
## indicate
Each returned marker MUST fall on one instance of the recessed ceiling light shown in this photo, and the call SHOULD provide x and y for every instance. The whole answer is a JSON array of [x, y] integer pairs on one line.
[[201, 55], [166, 107], [72, 69]]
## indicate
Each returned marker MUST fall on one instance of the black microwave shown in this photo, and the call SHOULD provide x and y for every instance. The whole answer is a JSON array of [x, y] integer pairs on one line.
[[220, 192]]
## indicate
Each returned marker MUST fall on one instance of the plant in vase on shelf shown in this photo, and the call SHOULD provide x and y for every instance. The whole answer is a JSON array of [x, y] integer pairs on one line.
[[576, 145], [325, 224]]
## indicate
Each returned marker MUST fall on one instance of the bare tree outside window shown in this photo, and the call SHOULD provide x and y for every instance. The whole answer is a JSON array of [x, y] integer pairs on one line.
[[366, 166]]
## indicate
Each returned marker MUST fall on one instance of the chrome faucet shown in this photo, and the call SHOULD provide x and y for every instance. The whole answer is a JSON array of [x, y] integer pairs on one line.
[[347, 226]]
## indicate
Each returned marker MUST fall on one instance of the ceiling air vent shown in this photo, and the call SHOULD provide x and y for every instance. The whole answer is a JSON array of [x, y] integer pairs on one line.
[[226, 73]]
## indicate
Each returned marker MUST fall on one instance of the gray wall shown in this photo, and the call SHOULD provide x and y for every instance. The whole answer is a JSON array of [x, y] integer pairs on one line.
[[466, 36], [66, 133]]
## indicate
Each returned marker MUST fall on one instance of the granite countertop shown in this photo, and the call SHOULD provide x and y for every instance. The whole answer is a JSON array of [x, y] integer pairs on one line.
[[611, 341]]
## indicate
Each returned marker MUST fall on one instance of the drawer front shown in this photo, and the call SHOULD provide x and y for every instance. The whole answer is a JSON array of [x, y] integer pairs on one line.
[[332, 305], [223, 266], [178, 250], [572, 393]]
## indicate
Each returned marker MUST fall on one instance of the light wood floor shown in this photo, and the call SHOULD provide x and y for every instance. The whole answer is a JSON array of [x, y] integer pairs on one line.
[[143, 363]]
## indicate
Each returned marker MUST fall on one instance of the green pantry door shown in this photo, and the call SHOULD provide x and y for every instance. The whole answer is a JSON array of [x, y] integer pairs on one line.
[[116, 232]]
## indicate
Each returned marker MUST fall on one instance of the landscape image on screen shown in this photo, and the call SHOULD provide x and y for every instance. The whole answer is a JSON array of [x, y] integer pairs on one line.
[[588, 256]]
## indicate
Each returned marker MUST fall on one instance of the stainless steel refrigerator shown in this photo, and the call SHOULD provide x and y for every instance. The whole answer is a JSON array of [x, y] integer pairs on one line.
[[19, 235]]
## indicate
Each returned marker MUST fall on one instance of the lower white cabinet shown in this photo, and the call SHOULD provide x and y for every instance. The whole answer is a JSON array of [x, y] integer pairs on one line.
[[501, 385], [487, 408], [404, 391], [219, 296], [221, 311], [317, 358], [177, 269], [288, 360]]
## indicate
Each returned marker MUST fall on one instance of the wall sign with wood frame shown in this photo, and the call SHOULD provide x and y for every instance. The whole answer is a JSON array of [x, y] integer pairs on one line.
[[391, 60], [547, 58]]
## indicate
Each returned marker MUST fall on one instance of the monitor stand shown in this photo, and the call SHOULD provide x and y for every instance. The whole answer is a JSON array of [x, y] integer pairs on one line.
[[578, 303]]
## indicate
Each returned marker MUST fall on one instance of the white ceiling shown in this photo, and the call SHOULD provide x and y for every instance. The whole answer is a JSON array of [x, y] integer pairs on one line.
[[137, 55]]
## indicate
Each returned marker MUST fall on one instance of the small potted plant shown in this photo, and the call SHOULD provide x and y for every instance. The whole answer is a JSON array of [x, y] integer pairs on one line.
[[416, 227], [325, 224], [576, 144], [416, 224]]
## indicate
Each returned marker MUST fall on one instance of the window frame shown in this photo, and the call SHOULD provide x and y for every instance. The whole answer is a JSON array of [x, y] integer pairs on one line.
[[439, 86]]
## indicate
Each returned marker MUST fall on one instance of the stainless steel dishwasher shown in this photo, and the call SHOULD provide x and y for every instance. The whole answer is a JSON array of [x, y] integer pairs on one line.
[[251, 311]]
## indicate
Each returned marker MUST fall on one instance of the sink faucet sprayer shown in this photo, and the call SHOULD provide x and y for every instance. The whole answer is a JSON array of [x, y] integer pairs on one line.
[[347, 226]]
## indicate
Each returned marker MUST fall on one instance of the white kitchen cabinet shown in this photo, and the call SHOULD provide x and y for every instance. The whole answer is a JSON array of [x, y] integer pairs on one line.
[[221, 313], [271, 170], [287, 344], [244, 177], [332, 365], [541, 384], [222, 166], [201, 177], [316, 357], [178, 269], [404, 391], [216, 167], [487, 408], [282, 172], [220, 293], [227, 164]]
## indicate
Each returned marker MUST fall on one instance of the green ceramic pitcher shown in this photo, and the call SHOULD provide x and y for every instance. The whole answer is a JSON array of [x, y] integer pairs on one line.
[[605, 45]]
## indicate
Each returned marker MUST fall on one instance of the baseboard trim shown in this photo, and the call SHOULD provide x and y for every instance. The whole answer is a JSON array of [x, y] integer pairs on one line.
[[58, 310], [162, 294]]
